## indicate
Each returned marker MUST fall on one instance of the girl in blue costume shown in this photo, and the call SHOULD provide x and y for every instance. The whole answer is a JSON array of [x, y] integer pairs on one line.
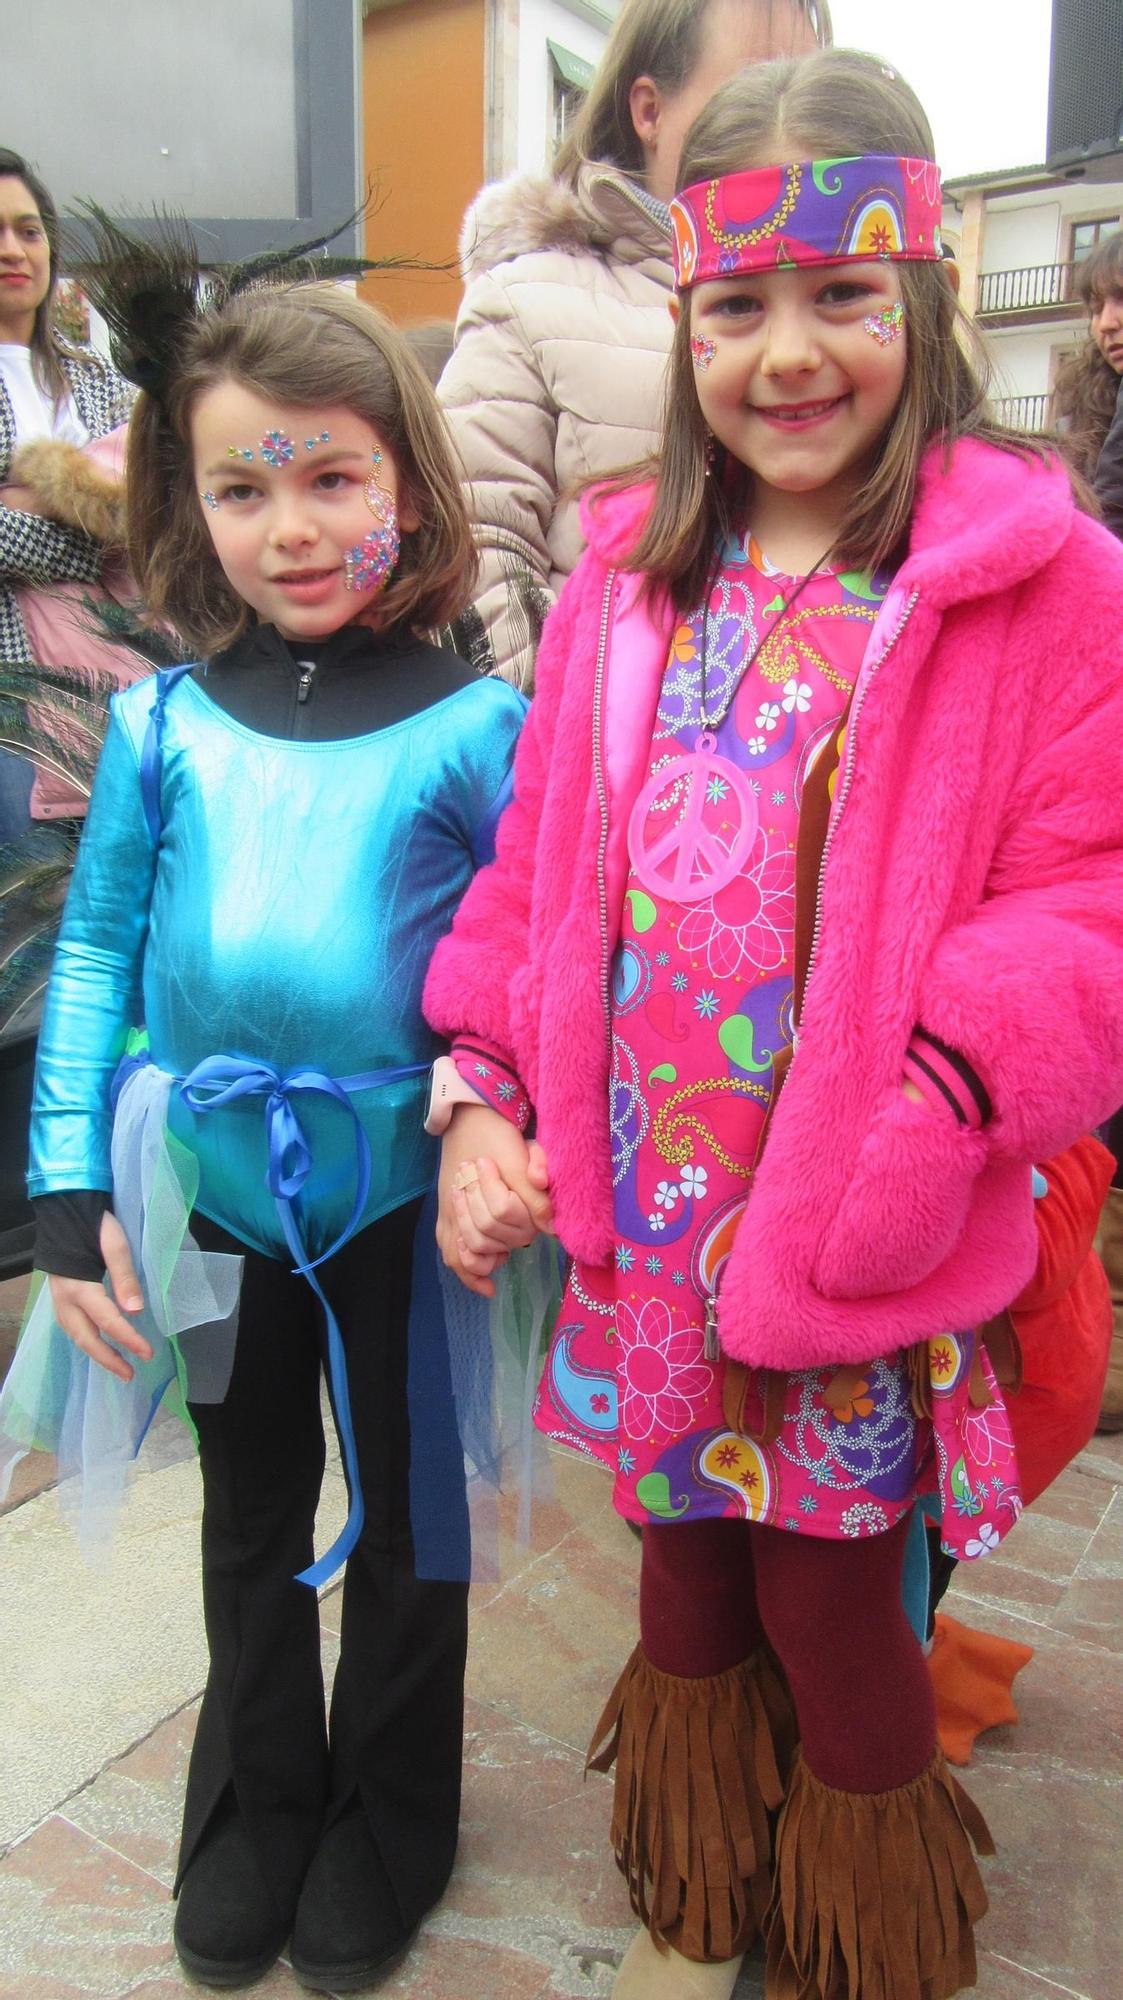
[[277, 838]]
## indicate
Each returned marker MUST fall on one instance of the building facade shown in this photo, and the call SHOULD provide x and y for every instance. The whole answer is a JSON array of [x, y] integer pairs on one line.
[[456, 93], [1020, 238]]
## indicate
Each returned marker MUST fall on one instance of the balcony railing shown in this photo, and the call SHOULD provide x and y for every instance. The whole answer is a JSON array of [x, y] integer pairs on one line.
[[1028, 291], [1024, 413]]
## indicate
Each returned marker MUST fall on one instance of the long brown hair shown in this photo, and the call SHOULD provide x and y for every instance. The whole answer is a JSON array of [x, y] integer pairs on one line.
[[1087, 386], [314, 346], [661, 39], [831, 105], [44, 340]]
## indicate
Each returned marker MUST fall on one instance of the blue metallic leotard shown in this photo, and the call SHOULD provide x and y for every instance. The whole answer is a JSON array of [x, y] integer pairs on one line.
[[285, 914]]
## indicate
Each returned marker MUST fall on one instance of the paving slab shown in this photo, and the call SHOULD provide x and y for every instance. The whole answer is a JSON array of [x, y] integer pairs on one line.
[[104, 1669]]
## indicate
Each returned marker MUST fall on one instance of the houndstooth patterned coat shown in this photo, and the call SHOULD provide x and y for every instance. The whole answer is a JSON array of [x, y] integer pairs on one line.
[[41, 552]]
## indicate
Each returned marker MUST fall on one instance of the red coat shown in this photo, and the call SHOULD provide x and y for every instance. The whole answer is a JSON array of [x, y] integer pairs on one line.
[[1062, 1320]]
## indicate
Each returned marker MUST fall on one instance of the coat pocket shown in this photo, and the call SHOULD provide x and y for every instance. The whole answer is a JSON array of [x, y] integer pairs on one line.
[[906, 1204]]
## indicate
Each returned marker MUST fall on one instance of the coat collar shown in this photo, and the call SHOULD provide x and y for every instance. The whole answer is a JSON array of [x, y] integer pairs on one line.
[[985, 519], [533, 212]]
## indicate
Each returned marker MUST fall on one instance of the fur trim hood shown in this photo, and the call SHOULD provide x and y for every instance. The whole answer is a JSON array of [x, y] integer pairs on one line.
[[533, 212], [985, 519]]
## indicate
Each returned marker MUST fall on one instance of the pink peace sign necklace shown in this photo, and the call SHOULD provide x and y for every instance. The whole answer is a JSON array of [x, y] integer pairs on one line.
[[690, 860]]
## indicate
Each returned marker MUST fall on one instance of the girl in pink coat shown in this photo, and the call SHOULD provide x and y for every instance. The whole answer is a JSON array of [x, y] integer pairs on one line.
[[803, 942]]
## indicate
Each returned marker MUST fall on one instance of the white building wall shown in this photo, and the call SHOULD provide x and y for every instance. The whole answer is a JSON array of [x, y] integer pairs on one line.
[[542, 21], [1020, 232], [1016, 239], [1022, 359]]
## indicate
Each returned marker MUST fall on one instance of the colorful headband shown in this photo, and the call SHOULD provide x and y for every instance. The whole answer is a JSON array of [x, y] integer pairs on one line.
[[815, 212]]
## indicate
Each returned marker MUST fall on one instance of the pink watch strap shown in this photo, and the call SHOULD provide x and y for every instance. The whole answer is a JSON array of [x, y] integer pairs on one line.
[[489, 1070]]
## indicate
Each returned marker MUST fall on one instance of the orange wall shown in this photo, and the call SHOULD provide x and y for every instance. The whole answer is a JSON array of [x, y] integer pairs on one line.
[[423, 142]]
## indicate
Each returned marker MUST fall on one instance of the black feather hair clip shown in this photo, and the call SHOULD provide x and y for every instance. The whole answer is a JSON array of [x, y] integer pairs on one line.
[[147, 292], [151, 289]]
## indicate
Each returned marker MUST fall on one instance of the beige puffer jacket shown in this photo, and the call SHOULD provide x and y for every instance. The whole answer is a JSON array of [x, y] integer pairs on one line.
[[557, 374]]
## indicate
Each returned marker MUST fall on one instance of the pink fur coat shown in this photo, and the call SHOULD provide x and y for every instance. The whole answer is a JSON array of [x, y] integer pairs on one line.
[[973, 883]]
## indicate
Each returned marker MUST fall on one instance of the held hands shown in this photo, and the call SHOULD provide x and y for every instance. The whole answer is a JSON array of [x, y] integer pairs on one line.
[[89, 1317], [492, 1194]]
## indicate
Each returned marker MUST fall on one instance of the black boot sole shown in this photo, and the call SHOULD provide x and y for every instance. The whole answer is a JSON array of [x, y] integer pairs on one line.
[[355, 1974], [221, 1972]]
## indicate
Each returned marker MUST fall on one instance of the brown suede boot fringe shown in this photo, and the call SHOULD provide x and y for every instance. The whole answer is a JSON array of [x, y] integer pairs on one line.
[[876, 1894], [699, 1766]]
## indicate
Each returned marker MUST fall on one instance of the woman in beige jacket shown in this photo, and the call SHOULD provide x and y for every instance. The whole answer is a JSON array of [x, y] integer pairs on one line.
[[563, 334]]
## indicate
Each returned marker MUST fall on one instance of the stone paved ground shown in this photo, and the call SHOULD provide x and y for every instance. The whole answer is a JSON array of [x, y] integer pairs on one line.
[[103, 1669]]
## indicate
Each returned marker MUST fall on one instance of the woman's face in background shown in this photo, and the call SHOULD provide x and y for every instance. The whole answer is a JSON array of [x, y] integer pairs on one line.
[[734, 33], [25, 261], [1107, 330]]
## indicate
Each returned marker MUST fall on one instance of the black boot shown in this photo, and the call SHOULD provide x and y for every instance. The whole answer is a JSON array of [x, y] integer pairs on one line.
[[349, 1927], [228, 1928]]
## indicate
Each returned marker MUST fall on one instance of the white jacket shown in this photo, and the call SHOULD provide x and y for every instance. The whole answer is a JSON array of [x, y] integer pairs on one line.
[[557, 373]]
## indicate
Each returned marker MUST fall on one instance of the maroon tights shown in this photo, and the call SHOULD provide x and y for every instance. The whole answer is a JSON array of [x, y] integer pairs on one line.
[[832, 1613]]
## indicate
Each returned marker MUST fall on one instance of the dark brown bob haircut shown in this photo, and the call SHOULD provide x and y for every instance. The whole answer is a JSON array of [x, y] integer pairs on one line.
[[831, 105], [314, 346]]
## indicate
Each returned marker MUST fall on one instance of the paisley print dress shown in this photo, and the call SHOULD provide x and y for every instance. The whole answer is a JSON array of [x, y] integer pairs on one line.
[[701, 1010]]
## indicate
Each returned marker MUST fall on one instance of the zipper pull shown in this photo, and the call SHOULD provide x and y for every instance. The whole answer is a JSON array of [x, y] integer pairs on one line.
[[304, 685], [711, 1351]]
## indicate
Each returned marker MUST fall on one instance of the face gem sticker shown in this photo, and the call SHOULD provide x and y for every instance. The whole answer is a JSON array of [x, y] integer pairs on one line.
[[210, 500], [380, 503], [370, 566], [702, 351], [238, 451], [311, 443], [887, 325], [276, 448]]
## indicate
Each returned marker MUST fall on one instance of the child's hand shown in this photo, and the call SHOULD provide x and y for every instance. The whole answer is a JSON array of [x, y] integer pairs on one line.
[[88, 1316], [492, 1192]]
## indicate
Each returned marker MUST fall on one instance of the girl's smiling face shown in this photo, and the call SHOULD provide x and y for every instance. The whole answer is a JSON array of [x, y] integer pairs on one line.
[[288, 511], [805, 374]]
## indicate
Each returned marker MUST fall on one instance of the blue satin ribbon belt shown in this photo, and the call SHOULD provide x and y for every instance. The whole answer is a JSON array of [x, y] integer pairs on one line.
[[222, 1080]]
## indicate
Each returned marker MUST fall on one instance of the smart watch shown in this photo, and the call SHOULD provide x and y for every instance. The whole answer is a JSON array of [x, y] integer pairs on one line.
[[447, 1089]]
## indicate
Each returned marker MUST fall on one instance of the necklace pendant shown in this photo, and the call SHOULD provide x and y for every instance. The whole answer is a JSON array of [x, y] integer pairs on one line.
[[702, 852]]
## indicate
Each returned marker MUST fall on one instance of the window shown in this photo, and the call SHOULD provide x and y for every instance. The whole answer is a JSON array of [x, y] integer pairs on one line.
[[567, 103], [571, 76], [1087, 236]]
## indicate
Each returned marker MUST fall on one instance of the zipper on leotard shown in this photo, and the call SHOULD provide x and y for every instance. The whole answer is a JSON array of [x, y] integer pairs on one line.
[[304, 683]]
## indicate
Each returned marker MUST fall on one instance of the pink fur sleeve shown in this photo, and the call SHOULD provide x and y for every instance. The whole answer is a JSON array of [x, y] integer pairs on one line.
[[1030, 987], [467, 990]]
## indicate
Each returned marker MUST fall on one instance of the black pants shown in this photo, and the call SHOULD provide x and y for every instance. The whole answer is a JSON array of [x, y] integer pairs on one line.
[[396, 1730]]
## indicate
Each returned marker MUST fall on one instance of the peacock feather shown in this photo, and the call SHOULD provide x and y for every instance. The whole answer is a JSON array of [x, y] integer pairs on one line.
[[56, 718], [150, 289]]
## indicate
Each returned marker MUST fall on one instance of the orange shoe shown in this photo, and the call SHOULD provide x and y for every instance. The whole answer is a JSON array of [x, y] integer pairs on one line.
[[972, 1674]]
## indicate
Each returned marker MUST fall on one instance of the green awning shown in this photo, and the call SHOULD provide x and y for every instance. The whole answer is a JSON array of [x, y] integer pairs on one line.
[[572, 69]]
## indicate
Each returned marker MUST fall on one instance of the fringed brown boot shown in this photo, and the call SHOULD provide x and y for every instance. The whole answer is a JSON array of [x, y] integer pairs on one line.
[[700, 1764], [876, 1893]]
